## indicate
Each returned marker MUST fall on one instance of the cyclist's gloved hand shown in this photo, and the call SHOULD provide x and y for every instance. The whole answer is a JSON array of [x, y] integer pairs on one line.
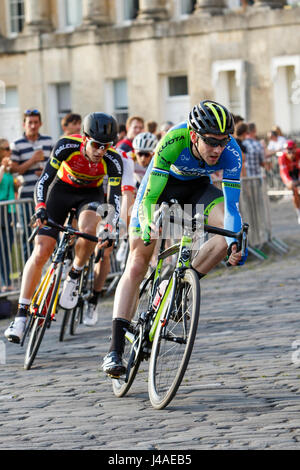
[[146, 236], [40, 213], [106, 235], [234, 257]]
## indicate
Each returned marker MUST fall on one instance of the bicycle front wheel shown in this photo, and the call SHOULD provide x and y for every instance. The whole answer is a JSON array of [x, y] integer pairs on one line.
[[174, 339], [134, 342], [43, 317]]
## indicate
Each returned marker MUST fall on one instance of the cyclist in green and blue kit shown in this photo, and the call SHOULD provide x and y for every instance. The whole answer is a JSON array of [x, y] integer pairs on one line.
[[181, 167]]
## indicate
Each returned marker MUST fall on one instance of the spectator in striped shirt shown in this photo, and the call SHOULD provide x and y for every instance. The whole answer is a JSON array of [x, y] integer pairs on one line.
[[30, 152], [29, 156]]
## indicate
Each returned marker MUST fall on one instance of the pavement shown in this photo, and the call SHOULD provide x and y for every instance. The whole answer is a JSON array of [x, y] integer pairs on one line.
[[240, 392]]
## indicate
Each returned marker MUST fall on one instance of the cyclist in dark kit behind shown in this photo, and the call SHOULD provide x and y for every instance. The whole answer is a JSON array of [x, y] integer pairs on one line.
[[76, 168]]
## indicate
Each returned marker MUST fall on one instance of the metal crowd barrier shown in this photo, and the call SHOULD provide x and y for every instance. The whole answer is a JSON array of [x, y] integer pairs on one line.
[[255, 209], [15, 218]]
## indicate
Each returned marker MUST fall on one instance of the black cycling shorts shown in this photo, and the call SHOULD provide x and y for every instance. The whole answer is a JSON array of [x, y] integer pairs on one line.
[[64, 197], [192, 192]]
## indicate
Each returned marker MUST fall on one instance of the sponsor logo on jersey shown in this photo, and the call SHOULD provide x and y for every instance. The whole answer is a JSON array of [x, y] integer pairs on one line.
[[64, 147], [114, 181], [55, 163], [170, 142]]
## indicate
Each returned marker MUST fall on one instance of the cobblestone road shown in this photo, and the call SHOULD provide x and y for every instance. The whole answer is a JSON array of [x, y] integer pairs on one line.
[[241, 391]]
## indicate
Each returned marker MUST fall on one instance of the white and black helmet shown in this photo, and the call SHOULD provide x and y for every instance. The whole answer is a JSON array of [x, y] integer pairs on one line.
[[145, 141]]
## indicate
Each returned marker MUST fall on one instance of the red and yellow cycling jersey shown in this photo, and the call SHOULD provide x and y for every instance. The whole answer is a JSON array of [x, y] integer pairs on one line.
[[69, 164]]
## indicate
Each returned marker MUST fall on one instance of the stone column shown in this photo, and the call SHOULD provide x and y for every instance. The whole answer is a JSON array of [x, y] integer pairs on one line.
[[37, 16], [152, 10], [213, 7], [270, 3], [95, 13]]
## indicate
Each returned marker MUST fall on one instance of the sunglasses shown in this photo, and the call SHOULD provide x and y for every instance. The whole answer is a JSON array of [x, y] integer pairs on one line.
[[5, 148], [212, 142], [144, 154], [31, 111], [99, 145]]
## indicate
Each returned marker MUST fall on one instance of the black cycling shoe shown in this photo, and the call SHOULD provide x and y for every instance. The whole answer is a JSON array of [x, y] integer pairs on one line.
[[112, 364]]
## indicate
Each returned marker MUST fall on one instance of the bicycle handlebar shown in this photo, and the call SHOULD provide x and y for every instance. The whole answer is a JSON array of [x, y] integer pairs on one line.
[[241, 236], [63, 228]]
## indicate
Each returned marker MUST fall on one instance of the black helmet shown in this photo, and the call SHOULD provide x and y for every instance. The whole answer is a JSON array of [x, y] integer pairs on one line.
[[210, 117], [101, 127]]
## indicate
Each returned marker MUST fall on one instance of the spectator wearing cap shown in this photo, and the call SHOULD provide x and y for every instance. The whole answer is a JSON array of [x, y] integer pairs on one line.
[[71, 124], [289, 167]]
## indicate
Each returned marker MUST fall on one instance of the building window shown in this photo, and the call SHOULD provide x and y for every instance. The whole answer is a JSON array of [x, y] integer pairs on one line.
[[10, 115], [187, 6], [286, 92], [73, 9], [60, 104], [120, 100], [16, 16], [178, 86], [131, 8], [127, 10], [69, 14], [229, 81]]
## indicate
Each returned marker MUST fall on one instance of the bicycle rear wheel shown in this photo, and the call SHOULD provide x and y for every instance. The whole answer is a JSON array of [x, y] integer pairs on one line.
[[43, 318], [64, 324], [173, 342], [76, 316], [134, 342]]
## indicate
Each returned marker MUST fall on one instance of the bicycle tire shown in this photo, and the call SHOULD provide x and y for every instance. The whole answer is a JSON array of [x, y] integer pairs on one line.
[[64, 324], [133, 350], [76, 317], [173, 342], [40, 324]]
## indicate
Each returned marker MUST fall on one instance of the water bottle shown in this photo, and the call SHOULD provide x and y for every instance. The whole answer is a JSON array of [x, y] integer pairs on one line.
[[159, 294]]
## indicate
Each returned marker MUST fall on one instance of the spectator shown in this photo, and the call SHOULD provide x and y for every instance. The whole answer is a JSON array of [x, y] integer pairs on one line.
[[254, 152], [134, 125], [30, 152], [6, 194], [71, 124], [240, 134], [151, 126], [29, 155], [121, 132], [289, 166], [276, 143], [165, 127]]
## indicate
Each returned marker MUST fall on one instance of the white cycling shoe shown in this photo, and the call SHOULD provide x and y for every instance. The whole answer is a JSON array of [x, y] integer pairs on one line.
[[14, 333], [69, 296], [90, 316]]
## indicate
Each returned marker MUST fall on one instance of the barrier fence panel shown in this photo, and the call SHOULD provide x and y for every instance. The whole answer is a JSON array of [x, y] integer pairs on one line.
[[14, 247]]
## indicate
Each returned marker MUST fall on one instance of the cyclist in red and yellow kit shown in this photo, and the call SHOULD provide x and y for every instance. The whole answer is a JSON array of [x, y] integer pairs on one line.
[[76, 168]]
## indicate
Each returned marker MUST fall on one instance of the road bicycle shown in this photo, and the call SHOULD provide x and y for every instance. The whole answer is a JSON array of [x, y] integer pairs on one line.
[[166, 320], [42, 310]]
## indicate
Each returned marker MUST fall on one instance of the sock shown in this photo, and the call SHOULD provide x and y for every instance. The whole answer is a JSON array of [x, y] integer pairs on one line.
[[94, 298], [119, 326], [22, 310], [75, 272]]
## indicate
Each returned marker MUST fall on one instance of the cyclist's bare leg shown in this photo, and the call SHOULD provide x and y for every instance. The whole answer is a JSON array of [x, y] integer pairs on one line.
[[32, 272], [135, 270], [102, 270], [214, 250], [87, 222]]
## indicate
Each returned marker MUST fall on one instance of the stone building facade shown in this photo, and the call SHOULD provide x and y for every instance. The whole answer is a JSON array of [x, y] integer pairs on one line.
[[154, 58]]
